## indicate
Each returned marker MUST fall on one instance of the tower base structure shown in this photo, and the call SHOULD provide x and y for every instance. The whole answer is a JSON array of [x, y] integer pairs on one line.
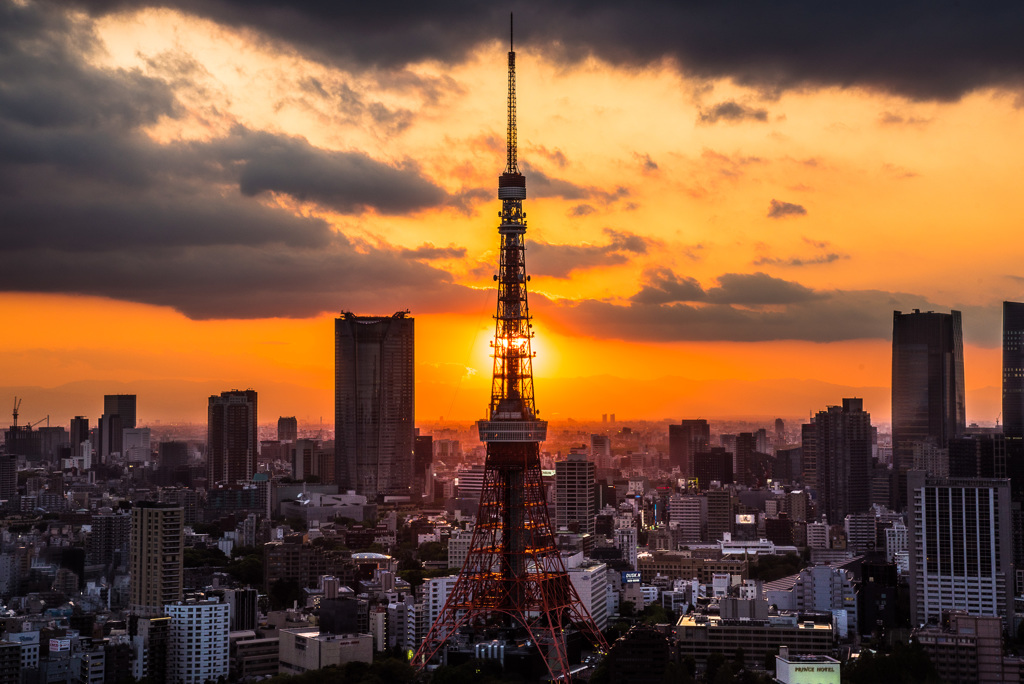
[[513, 595]]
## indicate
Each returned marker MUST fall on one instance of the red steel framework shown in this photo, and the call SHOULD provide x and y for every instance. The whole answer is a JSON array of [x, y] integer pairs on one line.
[[513, 579]]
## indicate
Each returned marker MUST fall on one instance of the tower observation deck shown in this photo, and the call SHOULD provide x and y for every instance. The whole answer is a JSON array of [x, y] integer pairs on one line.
[[513, 586]]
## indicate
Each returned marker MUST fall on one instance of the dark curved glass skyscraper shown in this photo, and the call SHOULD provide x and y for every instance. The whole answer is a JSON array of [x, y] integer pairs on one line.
[[927, 385], [374, 390]]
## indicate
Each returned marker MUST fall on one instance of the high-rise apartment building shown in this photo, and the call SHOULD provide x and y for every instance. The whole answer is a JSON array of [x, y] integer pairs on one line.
[[576, 494], [374, 403], [79, 431], [157, 555], [232, 437], [686, 440], [927, 385], [959, 541], [842, 440]]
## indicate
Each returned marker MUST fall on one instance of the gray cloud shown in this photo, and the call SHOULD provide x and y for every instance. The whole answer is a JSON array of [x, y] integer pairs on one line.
[[783, 209], [539, 184], [957, 48], [350, 182], [582, 210], [561, 260], [663, 286], [801, 261], [819, 316], [89, 204], [429, 252], [733, 112]]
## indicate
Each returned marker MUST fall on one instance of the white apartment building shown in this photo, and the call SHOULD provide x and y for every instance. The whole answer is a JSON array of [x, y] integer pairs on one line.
[[197, 650]]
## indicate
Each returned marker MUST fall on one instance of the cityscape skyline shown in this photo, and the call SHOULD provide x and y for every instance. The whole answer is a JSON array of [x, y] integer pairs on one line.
[[710, 223]]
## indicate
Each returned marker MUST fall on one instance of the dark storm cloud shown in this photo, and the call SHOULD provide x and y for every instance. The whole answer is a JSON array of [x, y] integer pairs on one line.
[[234, 281], [560, 260], [779, 209], [733, 112], [920, 49], [824, 316], [89, 204], [347, 181]]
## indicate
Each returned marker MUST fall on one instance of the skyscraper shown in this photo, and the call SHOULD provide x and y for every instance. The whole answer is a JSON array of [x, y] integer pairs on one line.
[[576, 493], [123, 405], [1013, 375], [960, 549], [685, 440], [157, 557], [374, 376], [927, 385], [287, 429], [232, 437], [842, 445], [118, 415]]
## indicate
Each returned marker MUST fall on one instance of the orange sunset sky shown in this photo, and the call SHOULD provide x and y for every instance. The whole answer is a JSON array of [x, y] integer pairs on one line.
[[724, 206]]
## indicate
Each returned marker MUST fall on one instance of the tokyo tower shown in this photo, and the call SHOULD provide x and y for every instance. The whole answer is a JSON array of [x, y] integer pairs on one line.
[[513, 585]]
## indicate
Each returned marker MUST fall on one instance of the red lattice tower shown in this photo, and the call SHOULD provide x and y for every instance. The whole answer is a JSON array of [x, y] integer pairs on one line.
[[513, 578]]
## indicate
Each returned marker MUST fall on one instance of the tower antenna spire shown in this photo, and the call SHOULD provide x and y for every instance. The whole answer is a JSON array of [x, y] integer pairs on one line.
[[512, 167]]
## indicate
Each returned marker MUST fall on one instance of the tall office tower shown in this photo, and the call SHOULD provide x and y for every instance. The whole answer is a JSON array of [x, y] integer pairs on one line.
[[1013, 375], [123, 405], [780, 433], [423, 466], [197, 650], [109, 435], [809, 453], [157, 556], [714, 465], [79, 432], [960, 550], [927, 385], [746, 445], [842, 436], [601, 450], [575, 494], [374, 403], [685, 440], [721, 514], [232, 439], [514, 581], [287, 429]]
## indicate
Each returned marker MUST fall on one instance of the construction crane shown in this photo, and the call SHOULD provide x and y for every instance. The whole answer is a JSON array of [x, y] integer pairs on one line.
[[32, 425], [17, 405]]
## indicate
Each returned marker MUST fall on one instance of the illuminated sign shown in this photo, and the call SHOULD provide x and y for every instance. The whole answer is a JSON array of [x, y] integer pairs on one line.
[[60, 645], [631, 577], [745, 519]]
